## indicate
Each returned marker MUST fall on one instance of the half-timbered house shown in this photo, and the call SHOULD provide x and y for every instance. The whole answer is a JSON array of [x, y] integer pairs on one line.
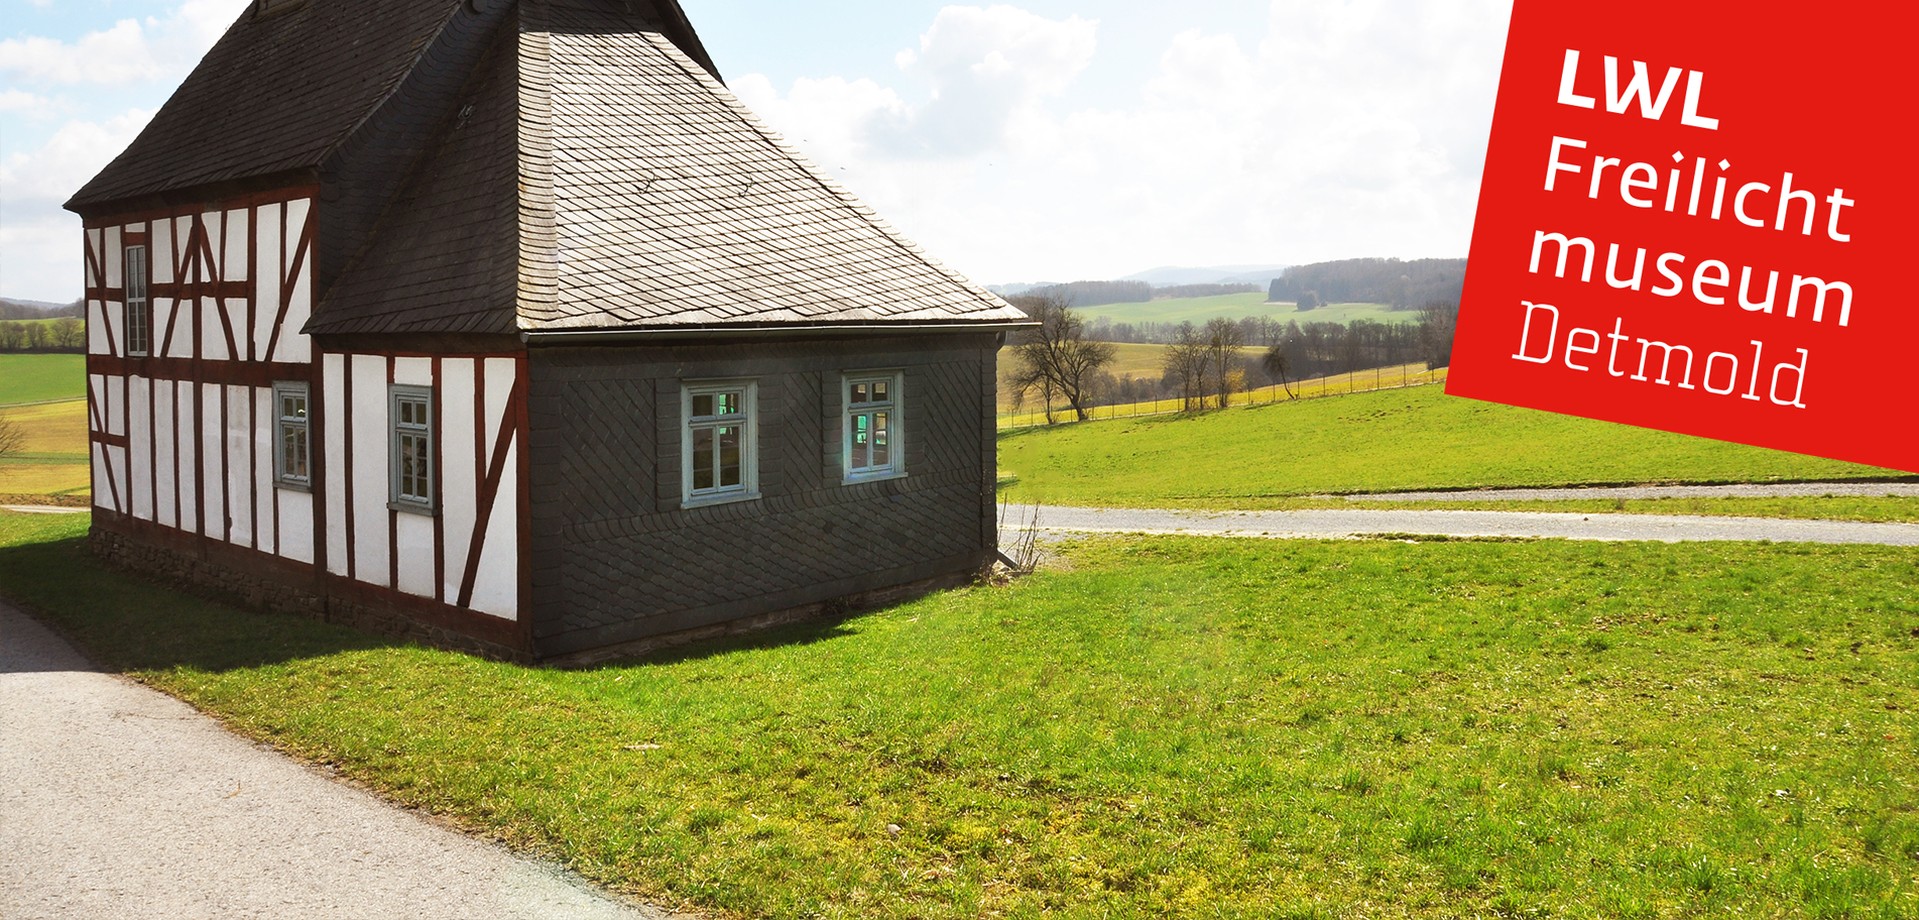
[[503, 324]]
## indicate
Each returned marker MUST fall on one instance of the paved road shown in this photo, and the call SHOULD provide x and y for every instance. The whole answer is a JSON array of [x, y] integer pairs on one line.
[[44, 509], [1744, 490], [1055, 519], [118, 801]]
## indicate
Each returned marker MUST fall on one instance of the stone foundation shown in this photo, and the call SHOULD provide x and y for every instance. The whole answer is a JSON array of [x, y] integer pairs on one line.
[[272, 590]]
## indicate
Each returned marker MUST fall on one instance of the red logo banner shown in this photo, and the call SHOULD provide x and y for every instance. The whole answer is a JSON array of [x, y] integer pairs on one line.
[[1691, 218]]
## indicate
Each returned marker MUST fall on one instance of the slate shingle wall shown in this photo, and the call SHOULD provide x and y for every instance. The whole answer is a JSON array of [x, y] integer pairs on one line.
[[614, 556]]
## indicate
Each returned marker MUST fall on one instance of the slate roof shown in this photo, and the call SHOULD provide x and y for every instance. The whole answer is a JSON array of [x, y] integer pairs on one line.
[[579, 168], [674, 207], [275, 95]]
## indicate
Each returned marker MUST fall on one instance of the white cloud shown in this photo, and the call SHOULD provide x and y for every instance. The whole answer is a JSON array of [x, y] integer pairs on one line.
[[1348, 129], [986, 68], [40, 243], [128, 52]]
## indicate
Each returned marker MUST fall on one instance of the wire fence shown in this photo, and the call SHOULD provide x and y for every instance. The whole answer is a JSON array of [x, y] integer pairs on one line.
[[1378, 378]]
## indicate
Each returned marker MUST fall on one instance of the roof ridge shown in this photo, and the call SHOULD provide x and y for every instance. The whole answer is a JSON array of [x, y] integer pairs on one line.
[[399, 80]]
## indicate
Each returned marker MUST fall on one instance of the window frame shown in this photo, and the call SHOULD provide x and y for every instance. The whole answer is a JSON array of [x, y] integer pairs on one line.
[[398, 433], [132, 307], [283, 424], [746, 419], [893, 405]]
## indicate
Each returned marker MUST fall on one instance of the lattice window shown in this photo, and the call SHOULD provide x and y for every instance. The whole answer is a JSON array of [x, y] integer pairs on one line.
[[719, 449], [139, 310], [412, 460], [872, 427], [292, 464]]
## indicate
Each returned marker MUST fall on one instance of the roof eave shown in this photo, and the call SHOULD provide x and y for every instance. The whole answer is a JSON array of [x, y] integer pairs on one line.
[[630, 335]]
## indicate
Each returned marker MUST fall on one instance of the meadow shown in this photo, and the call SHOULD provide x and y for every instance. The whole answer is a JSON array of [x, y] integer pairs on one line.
[[1156, 728], [1197, 310], [1414, 438], [44, 396]]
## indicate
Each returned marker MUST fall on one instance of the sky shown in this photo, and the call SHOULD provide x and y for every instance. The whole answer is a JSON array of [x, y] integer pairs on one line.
[[1026, 141]]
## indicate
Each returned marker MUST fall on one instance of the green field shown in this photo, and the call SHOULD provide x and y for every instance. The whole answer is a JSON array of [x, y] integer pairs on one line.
[[1160, 728], [1198, 310], [1415, 438], [45, 397], [40, 378]]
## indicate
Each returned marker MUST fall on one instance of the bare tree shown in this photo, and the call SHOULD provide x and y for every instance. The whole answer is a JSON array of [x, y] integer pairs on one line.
[[12, 439], [1223, 340], [1056, 356], [1437, 319], [1184, 363], [1274, 361]]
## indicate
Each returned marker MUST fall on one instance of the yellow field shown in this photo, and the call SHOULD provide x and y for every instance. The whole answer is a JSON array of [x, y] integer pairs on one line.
[[1385, 378], [54, 461], [1140, 361]]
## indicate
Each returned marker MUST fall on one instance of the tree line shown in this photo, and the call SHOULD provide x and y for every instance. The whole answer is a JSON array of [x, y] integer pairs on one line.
[[1205, 365], [1401, 284], [66, 334], [10, 309]]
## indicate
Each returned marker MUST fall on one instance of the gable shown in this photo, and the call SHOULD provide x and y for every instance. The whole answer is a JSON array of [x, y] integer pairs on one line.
[[273, 97]]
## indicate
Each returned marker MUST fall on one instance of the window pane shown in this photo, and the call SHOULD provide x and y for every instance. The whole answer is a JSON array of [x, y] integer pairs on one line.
[[702, 459], [298, 469], [879, 391], [729, 457], [702, 405], [881, 453], [859, 392], [729, 403]]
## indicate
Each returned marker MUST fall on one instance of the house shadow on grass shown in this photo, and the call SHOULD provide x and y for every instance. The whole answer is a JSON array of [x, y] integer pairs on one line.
[[124, 622]]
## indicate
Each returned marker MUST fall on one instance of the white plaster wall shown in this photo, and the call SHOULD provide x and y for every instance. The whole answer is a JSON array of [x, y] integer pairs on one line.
[[211, 220], [213, 335], [111, 259], [164, 509], [415, 535], [294, 346], [496, 590], [96, 245], [97, 342], [266, 287], [262, 481], [185, 396], [233, 263], [333, 442], [102, 495], [213, 452], [239, 444], [413, 372], [459, 483], [139, 397], [371, 488], [296, 524]]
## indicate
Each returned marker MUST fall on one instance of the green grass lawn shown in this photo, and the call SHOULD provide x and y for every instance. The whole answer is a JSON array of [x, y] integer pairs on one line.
[[1888, 509], [1414, 438], [1198, 310], [45, 395], [41, 378], [1161, 728]]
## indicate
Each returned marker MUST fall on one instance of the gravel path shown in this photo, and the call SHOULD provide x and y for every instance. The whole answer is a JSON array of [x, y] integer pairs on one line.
[[1055, 519], [119, 801], [1748, 490]]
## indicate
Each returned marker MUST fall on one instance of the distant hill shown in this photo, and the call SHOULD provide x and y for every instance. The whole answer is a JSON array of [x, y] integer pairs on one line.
[[17, 308], [1169, 275]]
